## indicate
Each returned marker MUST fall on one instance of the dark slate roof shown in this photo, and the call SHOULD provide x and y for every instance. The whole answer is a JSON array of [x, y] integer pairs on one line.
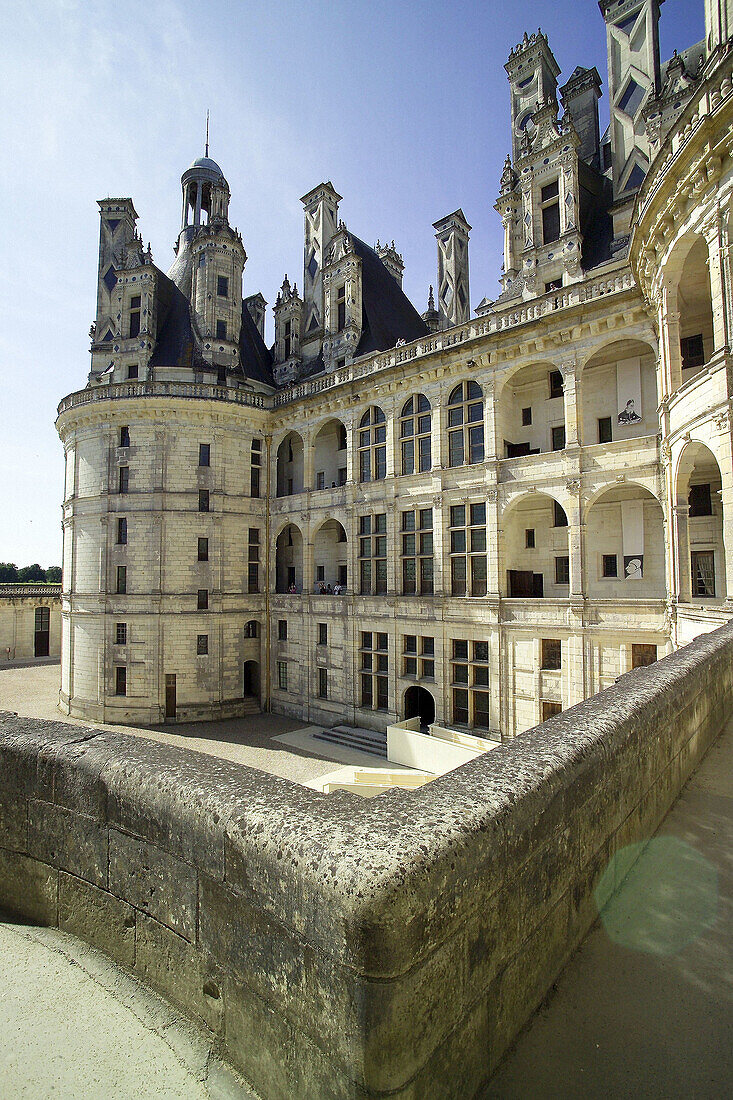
[[387, 314], [254, 356], [176, 344]]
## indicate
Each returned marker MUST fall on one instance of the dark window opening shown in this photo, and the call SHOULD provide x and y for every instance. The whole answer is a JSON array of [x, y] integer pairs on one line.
[[222, 286], [124, 437], [203, 549], [610, 565], [558, 437], [551, 653], [120, 680], [202, 601], [550, 213], [643, 654], [121, 580], [559, 519], [562, 570], [204, 454], [121, 634], [221, 330], [282, 630], [124, 479], [203, 500], [122, 531], [700, 500], [135, 315], [132, 371], [526, 417], [529, 538], [692, 350], [202, 645], [556, 384], [605, 429]]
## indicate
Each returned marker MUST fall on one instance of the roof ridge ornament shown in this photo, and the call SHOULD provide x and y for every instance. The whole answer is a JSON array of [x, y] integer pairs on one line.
[[207, 133]]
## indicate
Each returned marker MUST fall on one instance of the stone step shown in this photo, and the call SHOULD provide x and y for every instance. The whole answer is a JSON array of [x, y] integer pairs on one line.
[[352, 738]]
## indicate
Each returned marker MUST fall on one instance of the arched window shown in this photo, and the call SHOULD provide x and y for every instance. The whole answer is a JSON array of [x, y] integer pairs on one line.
[[466, 425], [372, 445], [415, 435], [252, 629]]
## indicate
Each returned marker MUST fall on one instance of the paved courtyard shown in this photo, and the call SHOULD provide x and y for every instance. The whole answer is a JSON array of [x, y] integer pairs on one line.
[[32, 691]]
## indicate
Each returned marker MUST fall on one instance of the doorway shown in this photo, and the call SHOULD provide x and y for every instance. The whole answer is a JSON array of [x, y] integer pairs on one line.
[[251, 680], [42, 632], [419, 703], [170, 696]]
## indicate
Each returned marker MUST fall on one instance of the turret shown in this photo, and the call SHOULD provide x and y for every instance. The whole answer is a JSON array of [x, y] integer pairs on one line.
[[454, 304], [533, 72], [288, 313], [321, 223]]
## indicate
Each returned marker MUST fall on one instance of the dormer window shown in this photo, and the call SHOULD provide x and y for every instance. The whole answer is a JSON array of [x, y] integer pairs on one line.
[[550, 205], [341, 308], [135, 315], [288, 338]]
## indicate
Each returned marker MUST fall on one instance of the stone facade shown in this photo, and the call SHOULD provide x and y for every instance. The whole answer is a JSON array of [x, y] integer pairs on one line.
[[30, 622], [518, 508]]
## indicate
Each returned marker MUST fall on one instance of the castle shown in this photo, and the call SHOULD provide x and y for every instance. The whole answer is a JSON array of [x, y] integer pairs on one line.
[[480, 520]]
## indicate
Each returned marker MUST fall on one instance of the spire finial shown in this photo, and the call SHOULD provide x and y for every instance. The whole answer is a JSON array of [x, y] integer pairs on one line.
[[207, 132]]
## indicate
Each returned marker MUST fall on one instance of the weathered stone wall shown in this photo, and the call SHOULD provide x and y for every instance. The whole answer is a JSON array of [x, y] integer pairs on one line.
[[18, 605], [343, 947]]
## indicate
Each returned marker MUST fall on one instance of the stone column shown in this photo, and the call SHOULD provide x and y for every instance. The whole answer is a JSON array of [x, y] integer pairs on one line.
[[492, 542], [576, 543], [438, 437], [571, 387], [681, 536], [352, 451], [489, 421], [439, 549], [308, 462], [389, 413], [670, 356], [719, 291], [308, 559]]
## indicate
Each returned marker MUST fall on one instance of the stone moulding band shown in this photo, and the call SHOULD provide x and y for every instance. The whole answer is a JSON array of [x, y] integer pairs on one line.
[[348, 947]]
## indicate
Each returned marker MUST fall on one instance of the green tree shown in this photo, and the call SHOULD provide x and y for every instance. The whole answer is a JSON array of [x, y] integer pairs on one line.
[[32, 574], [8, 573], [53, 574]]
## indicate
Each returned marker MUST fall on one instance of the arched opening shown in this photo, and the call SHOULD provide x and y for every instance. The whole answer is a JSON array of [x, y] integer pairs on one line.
[[289, 560], [372, 445], [329, 455], [251, 680], [695, 307], [415, 444], [619, 393], [624, 555], [699, 527], [252, 629], [419, 703], [535, 556], [330, 548], [530, 412], [290, 465], [466, 424]]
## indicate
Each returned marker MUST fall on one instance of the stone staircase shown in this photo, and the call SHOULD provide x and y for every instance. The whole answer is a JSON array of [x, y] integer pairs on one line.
[[352, 737], [250, 705]]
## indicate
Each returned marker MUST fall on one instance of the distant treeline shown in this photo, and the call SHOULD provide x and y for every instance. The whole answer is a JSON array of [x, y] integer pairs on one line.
[[29, 574]]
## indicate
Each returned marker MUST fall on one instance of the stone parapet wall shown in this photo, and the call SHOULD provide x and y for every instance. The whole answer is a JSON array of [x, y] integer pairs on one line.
[[342, 947]]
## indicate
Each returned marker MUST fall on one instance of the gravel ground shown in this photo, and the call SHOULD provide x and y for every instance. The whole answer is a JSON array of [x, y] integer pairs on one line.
[[32, 691]]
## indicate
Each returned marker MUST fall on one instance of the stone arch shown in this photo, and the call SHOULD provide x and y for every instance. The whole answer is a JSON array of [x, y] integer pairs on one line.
[[329, 454], [418, 702], [289, 471], [699, 526], [625, 556], [529, 405], [330, 555], [289, 559], [687, 277], [534, 556], [614, 374]]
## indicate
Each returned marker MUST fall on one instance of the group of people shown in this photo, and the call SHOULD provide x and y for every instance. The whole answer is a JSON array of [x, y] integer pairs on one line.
[[329, 590]]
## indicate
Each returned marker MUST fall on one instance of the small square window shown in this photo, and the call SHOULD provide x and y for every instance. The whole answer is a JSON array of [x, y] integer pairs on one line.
[[202, 602], [121, 634], [529, 538], [428, 646], [203, 500], [132, 370], [202, 645], [642, 654], [323, 633], [222, 286], [605, 429], [124, 436], [204, 454], [221, 330], [550, 709], [282, 630], [526, 417], [203, 550], [610, 565]]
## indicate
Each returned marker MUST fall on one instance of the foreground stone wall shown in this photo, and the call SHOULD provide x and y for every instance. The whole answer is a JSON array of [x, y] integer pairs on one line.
[[343, 947]]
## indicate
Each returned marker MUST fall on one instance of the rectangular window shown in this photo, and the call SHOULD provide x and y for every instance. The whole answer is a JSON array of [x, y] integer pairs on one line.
[[203, 500], [221, 330], [551, 653], [550, 709], [558, 437], [562, 570], [550, 206], [470, 680], [468, 550], [323, 683], [120, 680], [135, 315], [132, 371], [373, 554], [321, 479], [610, 565], [254, 482], [526, 417], [121, 580], [529, 538], [374, 670], [122, 531], [202, 601], [703, 572], [341, 308], [253, 556], [422, 666], [605, 429], [556, 388], [642, 654], [323, 633], [700, 500], [417, 552], [204, 454], [124, 479], [282, 675], [222, 286], [124, 437], [282, 630], [692, 350], [203, 549], [121, 634], [202, 645]]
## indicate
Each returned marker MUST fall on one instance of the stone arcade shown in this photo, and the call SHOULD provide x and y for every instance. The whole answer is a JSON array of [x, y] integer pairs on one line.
[[517, 507]]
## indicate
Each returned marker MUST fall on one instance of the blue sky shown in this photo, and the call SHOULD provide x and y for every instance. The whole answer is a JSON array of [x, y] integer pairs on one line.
[[404, 106]]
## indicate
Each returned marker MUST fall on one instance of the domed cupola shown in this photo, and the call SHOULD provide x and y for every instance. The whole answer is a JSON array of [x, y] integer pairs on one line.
[[205, 193]]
